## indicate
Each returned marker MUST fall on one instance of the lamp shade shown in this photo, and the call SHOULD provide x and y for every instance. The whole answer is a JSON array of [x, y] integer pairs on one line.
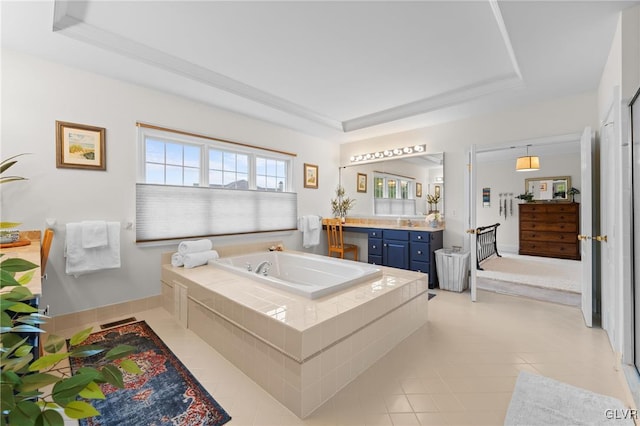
[[528, 163]]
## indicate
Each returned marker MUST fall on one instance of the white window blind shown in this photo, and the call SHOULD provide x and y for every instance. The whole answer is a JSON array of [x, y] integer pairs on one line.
[[394, 206], [172, 212]]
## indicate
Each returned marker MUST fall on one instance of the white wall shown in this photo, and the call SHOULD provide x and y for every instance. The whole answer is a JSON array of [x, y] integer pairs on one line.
[[36, 93], [561, 116], [501, 177]]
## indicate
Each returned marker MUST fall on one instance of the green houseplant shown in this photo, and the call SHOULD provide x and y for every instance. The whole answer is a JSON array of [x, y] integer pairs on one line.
[[33, 388]]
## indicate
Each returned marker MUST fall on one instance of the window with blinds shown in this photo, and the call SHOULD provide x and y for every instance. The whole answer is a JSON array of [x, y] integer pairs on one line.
[[393, 195], [196, 186]]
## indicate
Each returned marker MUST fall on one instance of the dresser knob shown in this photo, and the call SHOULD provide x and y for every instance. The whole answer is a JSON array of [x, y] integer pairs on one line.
[[419, 237], [419, 251]]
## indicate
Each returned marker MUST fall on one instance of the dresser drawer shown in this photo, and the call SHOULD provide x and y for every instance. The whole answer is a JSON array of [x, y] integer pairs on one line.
[[375, 260], [375, 233], [421, 236], [558, 237], [565, 250], [420, 267], [556, 227], [548, 217], [419, 252]]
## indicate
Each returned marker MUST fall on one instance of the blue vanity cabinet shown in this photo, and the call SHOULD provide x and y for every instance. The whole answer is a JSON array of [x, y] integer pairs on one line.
[[423, 247], [375, 246], [395, 248]]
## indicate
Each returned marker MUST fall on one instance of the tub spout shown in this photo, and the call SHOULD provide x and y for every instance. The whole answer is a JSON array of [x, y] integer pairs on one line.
[[263, 267]]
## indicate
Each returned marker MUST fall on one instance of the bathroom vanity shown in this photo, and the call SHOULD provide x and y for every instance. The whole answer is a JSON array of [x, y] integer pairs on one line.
[[401, 246]]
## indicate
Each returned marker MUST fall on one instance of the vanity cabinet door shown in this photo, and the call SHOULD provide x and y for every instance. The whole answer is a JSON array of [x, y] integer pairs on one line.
[[395, 254]]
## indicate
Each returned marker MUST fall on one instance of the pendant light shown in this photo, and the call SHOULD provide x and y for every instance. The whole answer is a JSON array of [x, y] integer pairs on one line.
[[528, 163]]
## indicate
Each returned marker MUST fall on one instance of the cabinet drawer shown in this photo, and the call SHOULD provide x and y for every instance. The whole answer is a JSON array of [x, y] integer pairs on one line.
[[375, 260], [420, 236], [559, 237], [419, 252], [555, 227], [394, 234], [375, 233], [547, 248], [375, 246], [419, 267]]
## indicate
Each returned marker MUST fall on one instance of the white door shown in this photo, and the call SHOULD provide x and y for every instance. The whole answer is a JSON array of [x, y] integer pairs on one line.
[[586, 224], [471, 220], [635, 127]]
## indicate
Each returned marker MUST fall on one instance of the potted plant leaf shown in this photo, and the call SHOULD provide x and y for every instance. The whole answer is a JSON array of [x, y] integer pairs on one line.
[[341, 205]]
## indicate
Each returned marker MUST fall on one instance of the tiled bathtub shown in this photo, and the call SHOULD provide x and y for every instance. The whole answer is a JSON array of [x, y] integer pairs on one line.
[[299, 350]]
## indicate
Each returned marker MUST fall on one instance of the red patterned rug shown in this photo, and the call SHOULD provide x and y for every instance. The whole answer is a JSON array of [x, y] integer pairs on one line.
[[165, 394]]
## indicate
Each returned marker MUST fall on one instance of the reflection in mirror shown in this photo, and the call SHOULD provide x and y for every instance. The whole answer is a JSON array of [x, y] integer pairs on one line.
[[549, 188], [395, 187]]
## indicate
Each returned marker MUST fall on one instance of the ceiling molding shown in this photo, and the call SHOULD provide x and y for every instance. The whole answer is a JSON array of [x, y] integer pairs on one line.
[[68, 20]]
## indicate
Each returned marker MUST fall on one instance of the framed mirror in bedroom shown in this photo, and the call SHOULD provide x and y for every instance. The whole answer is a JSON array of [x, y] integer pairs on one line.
[[549, 188]]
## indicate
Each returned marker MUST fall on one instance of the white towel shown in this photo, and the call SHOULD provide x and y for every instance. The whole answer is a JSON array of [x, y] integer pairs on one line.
[[191, 260], [94, 233], [195, 246], [310, 227], [177, 259], [82, 260]]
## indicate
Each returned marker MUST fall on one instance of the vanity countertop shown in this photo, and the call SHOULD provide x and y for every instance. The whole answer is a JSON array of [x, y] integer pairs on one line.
[[419, 225]]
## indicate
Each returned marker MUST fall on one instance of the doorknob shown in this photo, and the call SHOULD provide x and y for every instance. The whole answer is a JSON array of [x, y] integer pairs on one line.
[[584, 237], [471, 231], [601, 238]]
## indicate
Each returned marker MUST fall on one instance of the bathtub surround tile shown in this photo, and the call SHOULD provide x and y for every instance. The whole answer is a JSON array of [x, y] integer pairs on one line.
[[313, 347]]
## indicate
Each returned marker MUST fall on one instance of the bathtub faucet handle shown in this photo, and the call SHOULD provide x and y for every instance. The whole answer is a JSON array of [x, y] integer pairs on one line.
[[248, 265], [263, 267]]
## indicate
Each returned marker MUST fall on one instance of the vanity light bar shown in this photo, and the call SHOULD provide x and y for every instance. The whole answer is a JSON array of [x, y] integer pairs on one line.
[[388, 153]]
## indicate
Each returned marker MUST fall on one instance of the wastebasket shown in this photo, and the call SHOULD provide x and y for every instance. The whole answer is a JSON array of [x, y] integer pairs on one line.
[[453, 269]]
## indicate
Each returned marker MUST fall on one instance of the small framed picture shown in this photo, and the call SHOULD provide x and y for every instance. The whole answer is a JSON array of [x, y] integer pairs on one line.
[[310, 176], [436, 190], [79, 146], [418, 190], [362, 182]]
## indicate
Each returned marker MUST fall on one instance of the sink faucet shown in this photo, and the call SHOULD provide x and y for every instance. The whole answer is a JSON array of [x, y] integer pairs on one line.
[[409, 224], [263, 267]]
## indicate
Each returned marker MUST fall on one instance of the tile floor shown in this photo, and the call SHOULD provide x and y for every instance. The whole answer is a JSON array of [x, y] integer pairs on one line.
[[458, 369]]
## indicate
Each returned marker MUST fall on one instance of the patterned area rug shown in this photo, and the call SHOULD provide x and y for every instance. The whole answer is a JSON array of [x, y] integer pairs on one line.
[[165, 394]]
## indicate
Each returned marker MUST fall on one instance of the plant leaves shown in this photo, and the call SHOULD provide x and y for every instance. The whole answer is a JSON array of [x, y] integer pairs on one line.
[[25, 328], [9, 377], [50, 418], [113, 376], [20, 307], [47, 361], [17, 294], [16, 364], [54, 344], [24, 413], [130, 366], [80, 410], [5, 225], [85, 351], [120, 351], [16, 264], [31, 382], [92, 391], [26, 278], [23, 350], [7, 401], [31, 320], [80, 336], [7, 279], [6, 164], [66, 390], [5, 320]]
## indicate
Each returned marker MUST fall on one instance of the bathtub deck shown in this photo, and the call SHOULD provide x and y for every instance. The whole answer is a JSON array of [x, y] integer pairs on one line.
[[301, 351]]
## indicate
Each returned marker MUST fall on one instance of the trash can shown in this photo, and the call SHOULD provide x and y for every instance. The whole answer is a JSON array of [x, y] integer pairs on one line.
[[453, 269]]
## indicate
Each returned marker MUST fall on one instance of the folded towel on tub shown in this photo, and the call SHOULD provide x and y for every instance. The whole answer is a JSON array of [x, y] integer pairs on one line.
[[177, 259], [191, 260], [94, 233], [195, 246]]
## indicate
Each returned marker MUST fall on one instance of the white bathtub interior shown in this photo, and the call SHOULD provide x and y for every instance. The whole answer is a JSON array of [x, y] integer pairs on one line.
[[308, 275]]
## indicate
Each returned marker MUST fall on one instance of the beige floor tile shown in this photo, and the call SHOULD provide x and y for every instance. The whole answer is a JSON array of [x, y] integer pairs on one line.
[[458, 369]]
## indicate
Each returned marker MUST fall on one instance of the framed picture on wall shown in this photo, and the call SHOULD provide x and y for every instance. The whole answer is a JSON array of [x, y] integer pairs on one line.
[[436, 190], [310, 176], [418, 189], [362, 182], [79, 146]]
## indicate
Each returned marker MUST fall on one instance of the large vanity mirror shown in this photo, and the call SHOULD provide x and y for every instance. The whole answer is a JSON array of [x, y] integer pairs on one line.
[[397, 187], [549, 188]]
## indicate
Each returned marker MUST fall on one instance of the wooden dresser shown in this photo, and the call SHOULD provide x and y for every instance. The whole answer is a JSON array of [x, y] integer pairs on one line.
[[550, 230]]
